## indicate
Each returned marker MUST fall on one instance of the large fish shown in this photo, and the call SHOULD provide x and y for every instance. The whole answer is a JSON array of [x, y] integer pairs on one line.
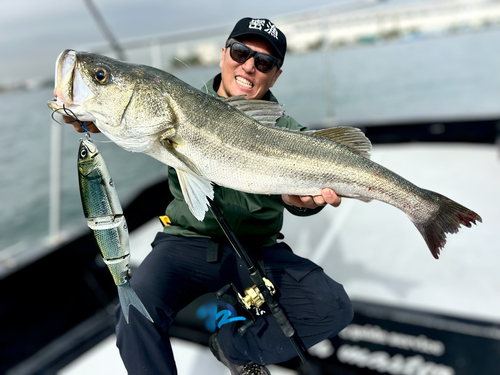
[[233, 143], [104, 214]]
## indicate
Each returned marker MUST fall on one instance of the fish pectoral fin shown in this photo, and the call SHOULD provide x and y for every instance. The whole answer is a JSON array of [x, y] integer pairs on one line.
[[170, 146], [263, 111], [351, 137], [196, 189], [194, 186]]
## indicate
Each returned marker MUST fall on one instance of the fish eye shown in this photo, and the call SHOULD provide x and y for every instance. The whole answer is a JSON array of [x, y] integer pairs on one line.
[[83, 153], [101, 75]]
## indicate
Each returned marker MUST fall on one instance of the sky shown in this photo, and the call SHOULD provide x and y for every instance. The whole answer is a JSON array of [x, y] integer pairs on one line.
[[34, 32]]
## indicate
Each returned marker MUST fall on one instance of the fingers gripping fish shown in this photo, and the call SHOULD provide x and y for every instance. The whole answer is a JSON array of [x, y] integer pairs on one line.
[[104, 215]]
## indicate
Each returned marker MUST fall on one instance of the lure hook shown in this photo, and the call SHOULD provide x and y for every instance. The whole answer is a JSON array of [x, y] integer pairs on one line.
[[71, 114]]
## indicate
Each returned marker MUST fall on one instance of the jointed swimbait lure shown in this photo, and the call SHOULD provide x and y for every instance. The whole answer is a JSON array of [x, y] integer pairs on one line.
[[104, 215]]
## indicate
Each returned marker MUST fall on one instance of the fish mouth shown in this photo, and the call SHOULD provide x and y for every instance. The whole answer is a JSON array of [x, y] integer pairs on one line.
[[65, 67], [70, 90]]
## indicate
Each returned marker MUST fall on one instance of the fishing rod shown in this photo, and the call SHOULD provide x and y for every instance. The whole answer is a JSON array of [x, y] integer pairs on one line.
[[259, 281]]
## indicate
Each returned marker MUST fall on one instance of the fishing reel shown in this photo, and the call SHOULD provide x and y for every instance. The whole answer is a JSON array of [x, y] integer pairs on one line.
[[253, 297]]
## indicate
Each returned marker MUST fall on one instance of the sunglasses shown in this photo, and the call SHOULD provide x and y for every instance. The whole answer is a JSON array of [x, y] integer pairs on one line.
[[241, 53]]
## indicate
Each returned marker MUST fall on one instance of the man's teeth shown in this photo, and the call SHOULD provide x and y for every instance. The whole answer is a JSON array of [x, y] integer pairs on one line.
[[244, 82]]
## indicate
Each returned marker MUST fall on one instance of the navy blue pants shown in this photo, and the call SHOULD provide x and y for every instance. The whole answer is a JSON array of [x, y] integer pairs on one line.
[[176, 272]]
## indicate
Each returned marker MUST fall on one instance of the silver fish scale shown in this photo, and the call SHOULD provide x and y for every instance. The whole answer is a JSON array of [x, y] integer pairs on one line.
[[225, 154]]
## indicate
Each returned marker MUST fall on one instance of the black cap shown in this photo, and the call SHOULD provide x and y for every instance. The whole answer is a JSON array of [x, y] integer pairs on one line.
[[264, 28]]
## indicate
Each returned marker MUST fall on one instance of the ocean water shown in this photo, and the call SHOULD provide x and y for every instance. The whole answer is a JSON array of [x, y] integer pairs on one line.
[[442, 76]]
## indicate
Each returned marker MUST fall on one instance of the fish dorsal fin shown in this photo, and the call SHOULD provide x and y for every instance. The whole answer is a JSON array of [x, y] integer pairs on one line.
[[263, 111], [351, 137]]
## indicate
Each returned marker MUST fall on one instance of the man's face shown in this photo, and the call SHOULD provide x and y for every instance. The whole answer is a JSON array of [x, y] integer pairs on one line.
[[244, 78]]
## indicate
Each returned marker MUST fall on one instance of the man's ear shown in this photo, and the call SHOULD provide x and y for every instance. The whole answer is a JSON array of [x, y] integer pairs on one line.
[[222, 57]]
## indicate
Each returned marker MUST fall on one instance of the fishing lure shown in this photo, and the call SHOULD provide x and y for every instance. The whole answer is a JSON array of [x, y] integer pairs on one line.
[[105, 217]]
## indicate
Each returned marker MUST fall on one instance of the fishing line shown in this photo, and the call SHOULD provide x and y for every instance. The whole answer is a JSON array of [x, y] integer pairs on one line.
[[71, 114]]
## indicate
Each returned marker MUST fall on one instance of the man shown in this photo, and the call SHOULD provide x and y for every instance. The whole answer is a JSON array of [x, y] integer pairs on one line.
[[192, 258]]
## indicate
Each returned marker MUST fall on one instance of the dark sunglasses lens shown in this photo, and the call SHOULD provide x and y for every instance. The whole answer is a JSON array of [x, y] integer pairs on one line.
[[240, 52], [264, 63]]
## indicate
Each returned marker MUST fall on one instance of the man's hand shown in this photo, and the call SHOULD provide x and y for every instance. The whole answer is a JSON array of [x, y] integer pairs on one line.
[[328, 196], [90, 125]]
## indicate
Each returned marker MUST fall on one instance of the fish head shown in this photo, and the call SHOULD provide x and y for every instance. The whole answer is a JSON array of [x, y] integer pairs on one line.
[[123, 100], [87, 161], [85, 84]]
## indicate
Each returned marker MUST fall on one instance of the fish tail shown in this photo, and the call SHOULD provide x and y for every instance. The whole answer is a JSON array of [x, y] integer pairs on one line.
[[127, 298], [448, 219]]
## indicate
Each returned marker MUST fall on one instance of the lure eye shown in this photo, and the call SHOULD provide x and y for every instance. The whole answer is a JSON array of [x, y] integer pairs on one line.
[[83, 153], [101, 75]]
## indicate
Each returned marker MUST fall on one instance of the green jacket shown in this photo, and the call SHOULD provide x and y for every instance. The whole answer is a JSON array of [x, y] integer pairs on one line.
[[255, 219]]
